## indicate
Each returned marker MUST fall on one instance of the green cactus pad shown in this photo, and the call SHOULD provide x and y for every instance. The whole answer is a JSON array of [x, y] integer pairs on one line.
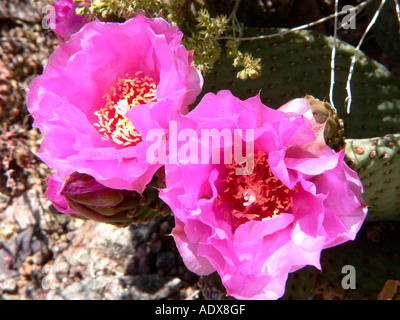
[[377, 162], [298, 63], [300, 284]]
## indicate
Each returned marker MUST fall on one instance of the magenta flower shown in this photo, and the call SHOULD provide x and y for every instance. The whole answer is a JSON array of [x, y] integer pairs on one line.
[[67, 22], [103, 90], [254, 229]]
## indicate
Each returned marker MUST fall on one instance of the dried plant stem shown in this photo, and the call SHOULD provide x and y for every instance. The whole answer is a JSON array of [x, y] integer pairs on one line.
[[353, 59], [235, 8], [333, 55], [235, 23], [396, 4], [305, 26]]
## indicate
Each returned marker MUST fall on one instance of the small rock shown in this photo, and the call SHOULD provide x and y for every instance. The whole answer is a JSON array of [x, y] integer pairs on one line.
[[4, 199], [9, 285], [6, 262], [151, 286], [28, 210], [141, 232], [25, 244], [22, 9], [87, 289]]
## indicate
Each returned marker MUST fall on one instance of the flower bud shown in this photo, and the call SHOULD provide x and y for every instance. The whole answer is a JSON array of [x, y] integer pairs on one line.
[[80, 195], [324, 113]]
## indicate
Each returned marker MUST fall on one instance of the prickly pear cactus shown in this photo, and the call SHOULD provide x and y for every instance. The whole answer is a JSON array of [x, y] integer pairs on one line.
[[298, 64], [377, 162], [357, 269], [138, 209], [373, 256], [300, 284]]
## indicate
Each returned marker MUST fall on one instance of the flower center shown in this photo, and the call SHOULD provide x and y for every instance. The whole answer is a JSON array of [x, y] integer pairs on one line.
[[257, 195], [126, 93]]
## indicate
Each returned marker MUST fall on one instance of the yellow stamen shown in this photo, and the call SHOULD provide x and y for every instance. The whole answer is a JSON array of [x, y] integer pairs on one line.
[[126, 93]]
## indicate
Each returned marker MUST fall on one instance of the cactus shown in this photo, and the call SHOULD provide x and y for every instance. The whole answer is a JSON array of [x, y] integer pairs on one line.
[[377, 162], [300, 284], [134, 209], [298, 64], [324, 114], [374, 254]]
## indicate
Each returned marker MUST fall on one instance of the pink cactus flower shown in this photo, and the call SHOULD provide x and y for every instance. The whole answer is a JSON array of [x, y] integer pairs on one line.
[[103, 90], [256, 228], [67, 22]]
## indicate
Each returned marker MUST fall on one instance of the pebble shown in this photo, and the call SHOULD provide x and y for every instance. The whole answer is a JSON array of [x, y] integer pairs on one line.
[[8, 285]]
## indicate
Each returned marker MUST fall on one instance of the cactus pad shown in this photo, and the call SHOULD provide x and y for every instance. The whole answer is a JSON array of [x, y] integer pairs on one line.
[[377, 162], [298, 63]]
